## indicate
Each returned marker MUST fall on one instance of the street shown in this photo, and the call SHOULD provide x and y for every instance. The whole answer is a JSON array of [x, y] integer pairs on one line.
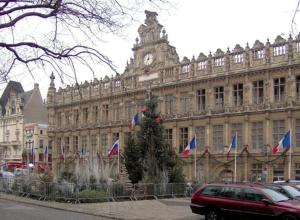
[[11, 210]]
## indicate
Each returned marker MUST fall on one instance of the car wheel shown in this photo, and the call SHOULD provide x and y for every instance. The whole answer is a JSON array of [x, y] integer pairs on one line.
[[212, 215], [288, 217]]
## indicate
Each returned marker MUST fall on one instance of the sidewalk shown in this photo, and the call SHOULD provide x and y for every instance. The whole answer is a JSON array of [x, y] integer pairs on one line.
[[133, 210]]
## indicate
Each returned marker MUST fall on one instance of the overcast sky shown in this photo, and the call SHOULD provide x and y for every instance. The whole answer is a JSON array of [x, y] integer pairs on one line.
[[195, 26]]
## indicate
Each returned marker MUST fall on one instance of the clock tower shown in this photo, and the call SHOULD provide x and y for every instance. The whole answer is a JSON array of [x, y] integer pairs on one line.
[[151, 51]]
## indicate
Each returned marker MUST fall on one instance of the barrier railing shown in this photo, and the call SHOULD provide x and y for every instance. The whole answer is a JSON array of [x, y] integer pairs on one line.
[[64, 191]]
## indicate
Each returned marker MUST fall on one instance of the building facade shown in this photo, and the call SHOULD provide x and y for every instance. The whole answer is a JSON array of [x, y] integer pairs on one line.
[[252, 91], [18, 108]]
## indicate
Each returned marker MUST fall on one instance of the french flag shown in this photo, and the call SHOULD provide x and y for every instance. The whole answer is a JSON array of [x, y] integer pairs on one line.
[[284, 143], [134, 121], [191, 146], [114, 149], [233, 145]]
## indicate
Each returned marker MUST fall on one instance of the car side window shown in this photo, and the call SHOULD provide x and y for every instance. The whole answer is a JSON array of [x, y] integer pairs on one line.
[[230, 192], [211, 191], [252, 195]]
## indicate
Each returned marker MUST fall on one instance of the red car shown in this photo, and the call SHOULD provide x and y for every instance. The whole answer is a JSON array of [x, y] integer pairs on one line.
[[243, 201]]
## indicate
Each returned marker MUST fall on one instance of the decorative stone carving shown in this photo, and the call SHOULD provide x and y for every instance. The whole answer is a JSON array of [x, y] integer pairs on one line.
[[238, 49], [257, 45], [219, 52], [201, 57]]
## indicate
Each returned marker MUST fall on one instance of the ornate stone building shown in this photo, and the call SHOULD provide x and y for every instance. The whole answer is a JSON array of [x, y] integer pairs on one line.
[[18, 109], [253, 91]]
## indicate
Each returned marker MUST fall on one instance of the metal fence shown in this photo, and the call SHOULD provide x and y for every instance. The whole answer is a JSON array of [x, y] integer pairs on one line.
[[64, 191]]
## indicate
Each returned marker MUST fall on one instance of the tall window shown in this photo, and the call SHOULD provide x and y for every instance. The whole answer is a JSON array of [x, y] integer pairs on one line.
[[169, 137], [200, 136], [297, 171], [183, 138], [41, 143], [297, 132], [201, 99], [59, 119], [184, 102], [298, 86], [104, 143], [279, 89], [126, 137], [279, 50], [76, 117], [59, 145], [67, 145], [116, 111], [75, 144], [84, 143], [169, 104], [278, 172], [259, 54], [94, 144], [278, 130], [257, 135], [219, 97], [258, 91], [218, 140], [128, 110], [238, 128], [115, 137], [256, 172], [238, 94], [68, 118], [298, 46], [85, 112], [105, 110], [95, 114]]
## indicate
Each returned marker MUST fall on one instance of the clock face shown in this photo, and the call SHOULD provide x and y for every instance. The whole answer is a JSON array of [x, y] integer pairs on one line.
[[148, 59]]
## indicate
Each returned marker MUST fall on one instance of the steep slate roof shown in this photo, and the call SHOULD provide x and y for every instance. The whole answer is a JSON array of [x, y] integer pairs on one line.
[[12, 85], [25, 96]]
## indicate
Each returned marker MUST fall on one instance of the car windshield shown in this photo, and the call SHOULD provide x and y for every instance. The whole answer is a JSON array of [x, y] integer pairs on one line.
[[292, 191], [275, 196]]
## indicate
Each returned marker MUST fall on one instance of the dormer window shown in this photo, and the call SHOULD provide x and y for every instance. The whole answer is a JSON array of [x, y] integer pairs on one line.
[[238, 58], [117, 83], [219, 61], [259, 54], [185, 68], [201, 65], [106, 85], [279, 50]]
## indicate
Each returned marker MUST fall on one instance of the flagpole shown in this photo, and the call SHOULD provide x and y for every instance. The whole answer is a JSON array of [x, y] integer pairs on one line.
[[119, 158], [195, 161], [235, 157], [290, 159]]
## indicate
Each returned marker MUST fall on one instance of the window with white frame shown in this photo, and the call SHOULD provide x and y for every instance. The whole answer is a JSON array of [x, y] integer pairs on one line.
[[183, 138], [237, 128], [85, 112], [200, 136], [258, 91], [238, 58], [128, 110], [169, 104], [278, 130], [116, 111], [279, 50], [257, 132], [201, 65], [201, 99], [257, 169], [279, 89], [219, 97], [218, 141], [219, 61], [238, 94], [278, 172], [95, 113], [259, 54], [185, 68], [106, 85], [169, 137], [184, 102], [117, 83], [83, 147], [105, 112], [104, 143], [298, 86], [297, 132], [298, 46]]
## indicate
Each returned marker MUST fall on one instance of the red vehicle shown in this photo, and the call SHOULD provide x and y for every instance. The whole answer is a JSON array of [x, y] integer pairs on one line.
[[243, 201], [11, 165]]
